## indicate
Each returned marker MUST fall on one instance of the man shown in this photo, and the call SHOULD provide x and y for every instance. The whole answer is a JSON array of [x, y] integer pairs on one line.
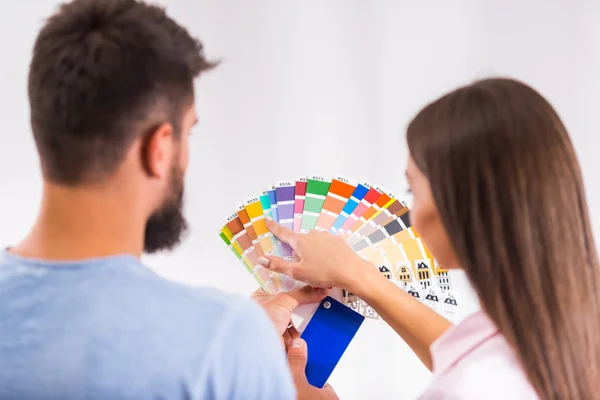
[[112, 107]]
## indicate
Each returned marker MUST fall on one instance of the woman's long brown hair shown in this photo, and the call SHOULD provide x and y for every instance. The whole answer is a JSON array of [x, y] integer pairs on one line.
[[508, 187]]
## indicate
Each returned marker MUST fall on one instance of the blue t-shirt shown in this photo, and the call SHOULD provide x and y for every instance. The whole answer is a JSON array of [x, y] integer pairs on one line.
[[110, 328]]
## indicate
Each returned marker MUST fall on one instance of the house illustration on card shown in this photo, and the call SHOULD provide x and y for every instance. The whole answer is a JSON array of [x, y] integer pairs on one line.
[[402, 285], [432, 300], [443, 279], [385, 272], [450, 307], [423, 273], [414, 293], [368, 311], [403, 274], [352, 301]]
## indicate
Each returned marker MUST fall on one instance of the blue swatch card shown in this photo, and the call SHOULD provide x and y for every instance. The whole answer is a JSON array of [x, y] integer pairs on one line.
[[327, 335]]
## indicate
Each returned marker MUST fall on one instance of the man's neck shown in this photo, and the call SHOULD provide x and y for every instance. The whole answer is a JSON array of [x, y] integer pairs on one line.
[[81, 223]]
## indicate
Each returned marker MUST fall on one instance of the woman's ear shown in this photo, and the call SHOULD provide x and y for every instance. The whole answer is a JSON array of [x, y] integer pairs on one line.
[[157, 151]]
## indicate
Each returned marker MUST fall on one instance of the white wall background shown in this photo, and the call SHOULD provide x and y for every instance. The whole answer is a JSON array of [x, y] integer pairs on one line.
[[318, 87]]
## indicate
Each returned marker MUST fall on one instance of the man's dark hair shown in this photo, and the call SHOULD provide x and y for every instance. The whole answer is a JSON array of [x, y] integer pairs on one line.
[[103, 73]]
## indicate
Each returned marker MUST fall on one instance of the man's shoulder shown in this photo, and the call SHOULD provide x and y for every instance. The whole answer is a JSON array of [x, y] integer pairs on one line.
[[120, 322], [161, 292], [214, 336], [121, 298], [172, 307], [118, 290]]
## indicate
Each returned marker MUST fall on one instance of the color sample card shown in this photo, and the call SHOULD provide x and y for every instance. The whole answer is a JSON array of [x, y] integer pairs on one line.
[[432, 299], [273, 199], [361, 214], [449, 306], [225, 237], [443, 278], [264, 237], [372, 255], [265, 203], [377, 258], [405, 266], [355, 199], [327, 336], [366, 203], [392, 231], [239, 238], [373, 222], [397, 238], [338, 195], [283, 282], [384, 201], [299, 196], [272, 282], [317, 188], [250, 231], [422, 264], [285, 192], [381, 218], [241, 242]]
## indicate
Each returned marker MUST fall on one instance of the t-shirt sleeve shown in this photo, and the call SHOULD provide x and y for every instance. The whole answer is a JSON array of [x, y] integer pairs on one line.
[[249, 361]]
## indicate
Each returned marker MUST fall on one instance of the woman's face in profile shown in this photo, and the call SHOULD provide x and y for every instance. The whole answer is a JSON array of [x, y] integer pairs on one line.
[[426, 219]]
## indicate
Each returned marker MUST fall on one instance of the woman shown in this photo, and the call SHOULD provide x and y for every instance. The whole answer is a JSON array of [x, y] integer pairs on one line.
[[497, 193]]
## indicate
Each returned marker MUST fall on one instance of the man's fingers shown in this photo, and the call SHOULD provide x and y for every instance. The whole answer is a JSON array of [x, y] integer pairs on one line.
[[297, 357], [282, 233], [294, 334], [260, 296], [308, 295], [278, 264]]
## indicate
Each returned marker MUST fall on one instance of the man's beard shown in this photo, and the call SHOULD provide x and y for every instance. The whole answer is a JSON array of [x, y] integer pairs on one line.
[[167, 226]]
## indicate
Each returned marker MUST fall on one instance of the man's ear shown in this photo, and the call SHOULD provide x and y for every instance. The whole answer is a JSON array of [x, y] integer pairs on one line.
[[157, 151]]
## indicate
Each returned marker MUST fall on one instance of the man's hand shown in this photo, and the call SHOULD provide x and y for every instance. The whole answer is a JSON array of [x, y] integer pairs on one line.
[[279, 307], [297, 357]]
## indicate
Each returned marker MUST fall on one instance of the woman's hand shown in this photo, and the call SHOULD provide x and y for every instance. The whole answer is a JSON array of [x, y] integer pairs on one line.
[[325, 260]]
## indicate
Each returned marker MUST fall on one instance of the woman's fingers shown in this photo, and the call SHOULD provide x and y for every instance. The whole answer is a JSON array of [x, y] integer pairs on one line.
[[282, 233], [278, 264]]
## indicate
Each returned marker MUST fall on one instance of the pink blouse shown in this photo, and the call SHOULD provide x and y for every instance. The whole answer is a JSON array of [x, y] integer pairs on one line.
[[473, 361]]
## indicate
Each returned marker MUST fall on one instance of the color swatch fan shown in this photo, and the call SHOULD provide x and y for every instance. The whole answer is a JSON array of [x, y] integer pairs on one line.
[[375, 222]]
